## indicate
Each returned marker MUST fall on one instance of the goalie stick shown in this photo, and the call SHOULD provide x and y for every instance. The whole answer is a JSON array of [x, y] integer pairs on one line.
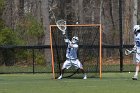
[[61, 24]]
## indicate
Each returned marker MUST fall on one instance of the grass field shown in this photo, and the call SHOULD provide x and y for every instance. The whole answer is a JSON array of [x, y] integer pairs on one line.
[[43, 83]]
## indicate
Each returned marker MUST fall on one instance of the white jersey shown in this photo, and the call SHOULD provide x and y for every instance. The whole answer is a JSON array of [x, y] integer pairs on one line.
[[71, 55], [137, 48], [137, 43], [71, 52]]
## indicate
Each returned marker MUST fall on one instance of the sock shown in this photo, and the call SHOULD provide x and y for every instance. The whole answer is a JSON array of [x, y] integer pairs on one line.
[[136, 73], [137, 70]]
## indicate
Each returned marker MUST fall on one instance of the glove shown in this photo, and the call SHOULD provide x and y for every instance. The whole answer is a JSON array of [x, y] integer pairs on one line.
[[67, 41], [134, 49], [63, 32]]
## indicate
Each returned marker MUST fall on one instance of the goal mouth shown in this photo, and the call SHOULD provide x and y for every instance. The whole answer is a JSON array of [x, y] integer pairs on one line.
[[89, 52]]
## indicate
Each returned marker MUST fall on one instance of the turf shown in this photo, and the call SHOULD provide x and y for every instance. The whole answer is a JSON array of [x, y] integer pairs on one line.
[[43, 83]]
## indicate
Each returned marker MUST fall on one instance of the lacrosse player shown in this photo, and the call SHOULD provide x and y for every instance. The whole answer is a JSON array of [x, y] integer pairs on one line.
[[71, 55], [137, 49]]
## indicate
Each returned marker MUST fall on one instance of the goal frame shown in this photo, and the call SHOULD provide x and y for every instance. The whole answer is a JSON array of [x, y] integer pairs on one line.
[[78, 25]]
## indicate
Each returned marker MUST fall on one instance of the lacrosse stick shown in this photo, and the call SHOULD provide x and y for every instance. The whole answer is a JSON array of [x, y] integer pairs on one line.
[[51, 11], [61, 24], [135, 59], [128, 52]]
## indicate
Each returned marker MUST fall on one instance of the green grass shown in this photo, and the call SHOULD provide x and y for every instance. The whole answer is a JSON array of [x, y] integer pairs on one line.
[[16, 69], [43, 83]]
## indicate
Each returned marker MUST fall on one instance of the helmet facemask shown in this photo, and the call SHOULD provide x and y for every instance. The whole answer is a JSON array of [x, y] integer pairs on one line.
[[136, 29], [74, 39]]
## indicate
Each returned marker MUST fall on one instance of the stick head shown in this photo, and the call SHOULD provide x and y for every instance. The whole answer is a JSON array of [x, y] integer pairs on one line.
[[127, 52], [61, 24]]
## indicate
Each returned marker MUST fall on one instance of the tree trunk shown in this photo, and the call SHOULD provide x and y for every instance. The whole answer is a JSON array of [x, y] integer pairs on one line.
[[45, 20], [135, 9], [81, 18]]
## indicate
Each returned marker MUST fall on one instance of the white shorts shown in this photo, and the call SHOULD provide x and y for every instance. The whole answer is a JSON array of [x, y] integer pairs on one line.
[[137, 60], [68, 63]]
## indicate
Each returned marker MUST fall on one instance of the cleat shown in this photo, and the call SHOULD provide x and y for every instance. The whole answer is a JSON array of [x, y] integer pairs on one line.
[[135, 78], [60, 77], [85, 77]]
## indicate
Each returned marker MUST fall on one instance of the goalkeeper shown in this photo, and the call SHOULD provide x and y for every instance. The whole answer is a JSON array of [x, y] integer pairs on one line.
[[137, 49], [71, 55]]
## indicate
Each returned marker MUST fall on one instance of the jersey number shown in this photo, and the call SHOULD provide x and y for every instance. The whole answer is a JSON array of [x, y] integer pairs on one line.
[[138, 43]]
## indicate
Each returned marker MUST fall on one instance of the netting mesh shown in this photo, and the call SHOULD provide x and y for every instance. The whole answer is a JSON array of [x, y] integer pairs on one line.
[[88, 52]]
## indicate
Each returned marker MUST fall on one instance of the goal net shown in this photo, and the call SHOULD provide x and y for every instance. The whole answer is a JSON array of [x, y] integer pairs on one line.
[[89, 51]]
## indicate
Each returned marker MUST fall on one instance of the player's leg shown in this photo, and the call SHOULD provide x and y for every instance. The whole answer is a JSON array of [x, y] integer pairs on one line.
[[66, 65], [62, 72], [135, 77], [80, 66], [85, 76]]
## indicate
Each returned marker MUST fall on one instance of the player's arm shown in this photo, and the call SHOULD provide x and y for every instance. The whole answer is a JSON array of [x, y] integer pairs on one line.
[[134, 49], [67, 41], [73, 45]]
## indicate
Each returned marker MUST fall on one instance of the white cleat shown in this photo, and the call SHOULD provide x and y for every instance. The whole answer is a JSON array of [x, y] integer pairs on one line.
[[60, 77], [135, 78], [85, 77]]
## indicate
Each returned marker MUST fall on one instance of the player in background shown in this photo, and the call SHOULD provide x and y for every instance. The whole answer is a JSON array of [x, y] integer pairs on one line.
[[71, 55], [137, 50]]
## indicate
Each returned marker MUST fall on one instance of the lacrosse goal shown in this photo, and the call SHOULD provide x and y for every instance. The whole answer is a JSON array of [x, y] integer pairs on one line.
[[89, 52]]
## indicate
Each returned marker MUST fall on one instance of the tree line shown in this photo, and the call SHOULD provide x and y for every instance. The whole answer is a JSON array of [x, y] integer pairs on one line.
[[26, 22]]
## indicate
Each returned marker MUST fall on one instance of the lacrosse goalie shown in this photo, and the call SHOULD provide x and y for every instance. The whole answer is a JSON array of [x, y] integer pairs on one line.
[[71, 55], [136, 48]]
